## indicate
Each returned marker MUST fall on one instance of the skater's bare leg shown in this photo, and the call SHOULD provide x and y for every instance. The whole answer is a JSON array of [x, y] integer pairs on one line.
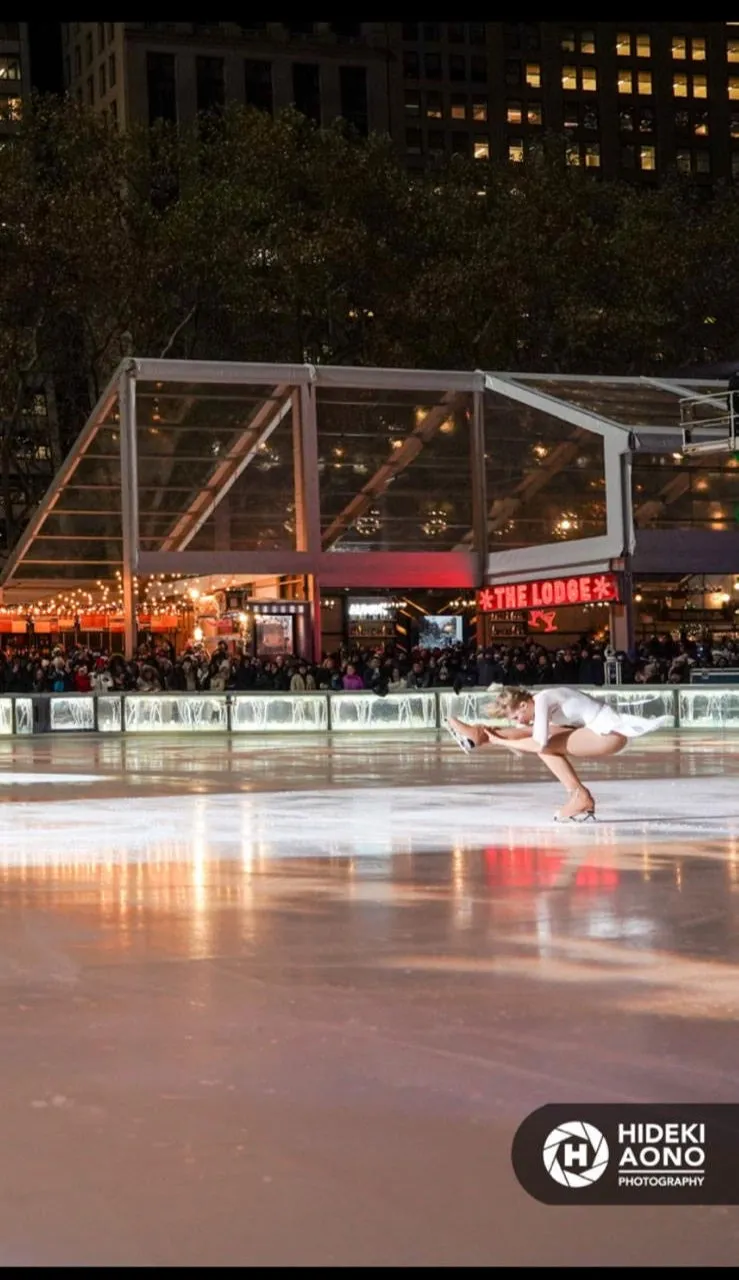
[[554, 755], [586, 745]]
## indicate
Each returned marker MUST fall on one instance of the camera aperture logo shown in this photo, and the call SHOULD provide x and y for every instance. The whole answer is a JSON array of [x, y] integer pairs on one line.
[[575, 1154], [619, 1154]]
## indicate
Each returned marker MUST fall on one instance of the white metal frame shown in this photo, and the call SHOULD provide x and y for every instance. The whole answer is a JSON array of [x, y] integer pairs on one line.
[[294, 388]]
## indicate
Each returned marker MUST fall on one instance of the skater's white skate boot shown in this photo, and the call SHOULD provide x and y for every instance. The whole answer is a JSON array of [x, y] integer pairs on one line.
[[579, 808], [466, 736]]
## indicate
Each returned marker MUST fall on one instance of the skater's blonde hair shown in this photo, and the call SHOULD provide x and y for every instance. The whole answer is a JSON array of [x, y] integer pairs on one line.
[[507, 701]]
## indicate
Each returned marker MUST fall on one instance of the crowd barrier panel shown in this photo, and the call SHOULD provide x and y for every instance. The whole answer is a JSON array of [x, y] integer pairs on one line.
[[689, 706]]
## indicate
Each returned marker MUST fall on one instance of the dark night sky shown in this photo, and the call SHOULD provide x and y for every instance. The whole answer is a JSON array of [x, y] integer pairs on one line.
[[45, 40]]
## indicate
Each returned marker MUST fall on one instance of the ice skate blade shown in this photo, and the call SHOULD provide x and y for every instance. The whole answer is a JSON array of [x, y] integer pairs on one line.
[[579, 818], [464, 744]]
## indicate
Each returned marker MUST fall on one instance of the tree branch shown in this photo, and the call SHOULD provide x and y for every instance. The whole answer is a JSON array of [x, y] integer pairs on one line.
[[178, 330]]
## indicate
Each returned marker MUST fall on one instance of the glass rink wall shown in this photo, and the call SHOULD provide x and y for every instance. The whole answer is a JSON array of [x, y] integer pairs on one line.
[[414, 710]]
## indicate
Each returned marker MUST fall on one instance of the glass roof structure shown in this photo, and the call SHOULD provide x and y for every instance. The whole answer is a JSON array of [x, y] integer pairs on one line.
[[372, 478]]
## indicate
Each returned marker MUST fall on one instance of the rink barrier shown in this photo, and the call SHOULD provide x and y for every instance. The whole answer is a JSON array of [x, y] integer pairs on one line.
[[689, 706]]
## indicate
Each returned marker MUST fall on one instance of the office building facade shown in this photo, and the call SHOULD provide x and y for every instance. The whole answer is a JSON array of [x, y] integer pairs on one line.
[[15, 81], [635, 100]]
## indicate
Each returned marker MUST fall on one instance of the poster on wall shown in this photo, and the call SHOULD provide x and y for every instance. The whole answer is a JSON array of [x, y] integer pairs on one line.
[[439, 631], [274, 636]]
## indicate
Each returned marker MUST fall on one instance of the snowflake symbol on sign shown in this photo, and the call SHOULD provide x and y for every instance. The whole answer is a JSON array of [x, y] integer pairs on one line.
[[603, 588], [486, 601]]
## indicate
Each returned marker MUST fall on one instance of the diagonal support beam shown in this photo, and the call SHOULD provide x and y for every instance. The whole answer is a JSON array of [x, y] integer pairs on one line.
[[532, 483], [266, 421], [401, 458]]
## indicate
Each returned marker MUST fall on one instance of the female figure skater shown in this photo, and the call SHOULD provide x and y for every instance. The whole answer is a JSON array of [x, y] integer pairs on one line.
[[558, 725]]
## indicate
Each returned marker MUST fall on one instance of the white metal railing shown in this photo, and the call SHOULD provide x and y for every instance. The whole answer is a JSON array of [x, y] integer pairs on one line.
[[714, 412]]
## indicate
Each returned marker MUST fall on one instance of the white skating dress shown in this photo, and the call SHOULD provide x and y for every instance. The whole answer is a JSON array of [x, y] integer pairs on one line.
[[575, 709]]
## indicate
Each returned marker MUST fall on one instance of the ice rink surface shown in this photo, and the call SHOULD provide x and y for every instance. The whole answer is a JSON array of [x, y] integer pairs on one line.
[[286, 1000]]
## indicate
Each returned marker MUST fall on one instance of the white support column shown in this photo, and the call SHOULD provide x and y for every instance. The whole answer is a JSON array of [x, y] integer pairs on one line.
[[478, 481], [308, 498], [129, 504], [620, 516]]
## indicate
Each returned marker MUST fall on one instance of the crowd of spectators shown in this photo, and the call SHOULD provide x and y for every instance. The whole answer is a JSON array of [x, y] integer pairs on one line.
[[659, 660]]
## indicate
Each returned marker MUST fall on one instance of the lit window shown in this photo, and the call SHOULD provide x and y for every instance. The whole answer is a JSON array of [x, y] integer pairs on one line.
[[643, 47], [648, 157], [481, 149], [534, 113], [700, 87], [644, 82], [734, 88], [514, 113], [433, 106], [592, 155], [10, 69], [10, 108], [679, 47], [682, 160], [589, 79], [480, 110], [732, 50], [515, 150], [572, 153], [533, 75], [412, 102], [623, 44], [625, 82], [700, 127], [568, 42], [587, 42], [680, 85], [699, 49], [459, 107], [569, 77], [703, 162], [734, 125], [735, 164]]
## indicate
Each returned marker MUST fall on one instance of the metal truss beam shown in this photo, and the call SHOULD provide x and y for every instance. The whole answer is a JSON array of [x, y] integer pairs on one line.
[[266, 421], [397, 462], [64, 475]]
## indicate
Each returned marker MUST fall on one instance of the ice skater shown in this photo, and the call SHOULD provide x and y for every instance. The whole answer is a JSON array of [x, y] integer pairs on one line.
[[558, 725]]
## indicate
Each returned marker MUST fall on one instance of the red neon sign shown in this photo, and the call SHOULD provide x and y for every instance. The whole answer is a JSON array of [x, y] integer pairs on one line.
[[587, 588]]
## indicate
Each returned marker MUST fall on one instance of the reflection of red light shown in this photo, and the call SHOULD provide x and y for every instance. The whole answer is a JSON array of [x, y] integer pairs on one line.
[[525, 867]]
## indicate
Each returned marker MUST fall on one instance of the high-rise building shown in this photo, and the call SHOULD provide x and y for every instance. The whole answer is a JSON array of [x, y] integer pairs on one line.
[[15, 80], [634, 100], [144, 71]]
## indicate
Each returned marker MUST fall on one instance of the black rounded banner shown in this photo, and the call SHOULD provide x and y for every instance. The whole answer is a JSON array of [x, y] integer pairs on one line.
[[623, 1154]]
